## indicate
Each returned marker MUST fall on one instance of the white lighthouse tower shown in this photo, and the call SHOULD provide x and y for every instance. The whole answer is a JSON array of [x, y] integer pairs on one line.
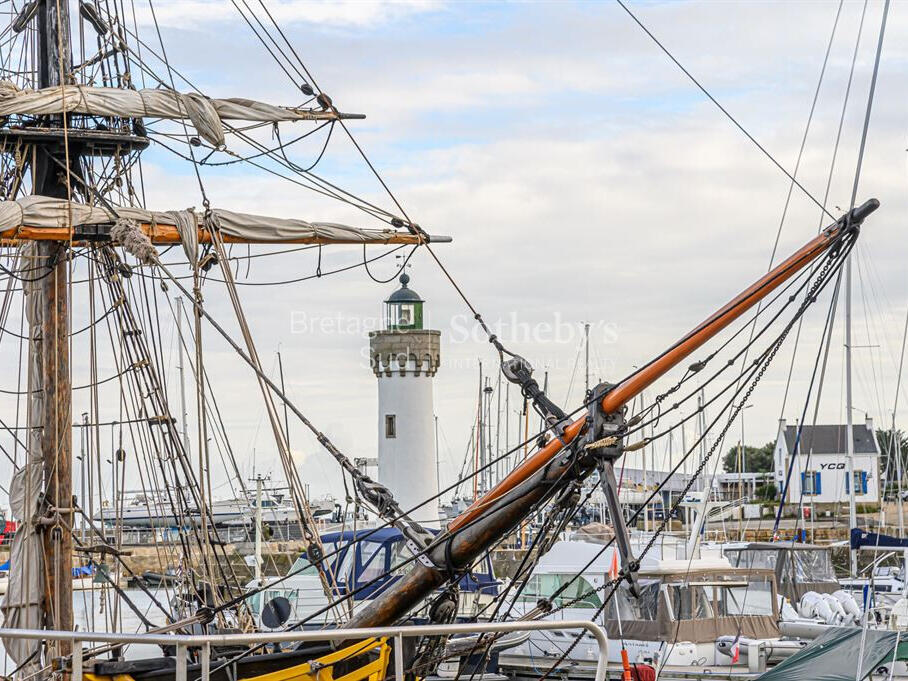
[[405, 357]]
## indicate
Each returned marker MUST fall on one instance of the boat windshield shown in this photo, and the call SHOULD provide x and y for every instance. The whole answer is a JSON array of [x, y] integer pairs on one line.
[[752, 598], [721, 597], [545, 586], [302, 567]]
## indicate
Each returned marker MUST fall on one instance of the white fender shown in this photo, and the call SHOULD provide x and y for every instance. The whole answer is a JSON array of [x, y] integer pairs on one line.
[[812, 605], [838, 611], [849, 605]]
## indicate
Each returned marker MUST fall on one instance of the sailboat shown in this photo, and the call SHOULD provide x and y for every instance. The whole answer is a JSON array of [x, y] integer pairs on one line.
[[73, 135]]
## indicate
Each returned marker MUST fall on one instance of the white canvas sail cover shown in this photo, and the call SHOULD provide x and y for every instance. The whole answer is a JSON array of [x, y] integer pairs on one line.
[[21, 606], [205, 113], [44, 211]]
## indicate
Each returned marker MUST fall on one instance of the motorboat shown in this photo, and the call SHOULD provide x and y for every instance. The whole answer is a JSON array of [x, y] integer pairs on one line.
[[684, 610]]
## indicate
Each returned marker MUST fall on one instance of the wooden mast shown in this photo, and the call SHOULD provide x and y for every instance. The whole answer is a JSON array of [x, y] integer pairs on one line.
[[54, 65]]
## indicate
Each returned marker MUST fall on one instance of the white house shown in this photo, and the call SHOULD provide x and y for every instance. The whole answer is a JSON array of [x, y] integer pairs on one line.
[[820, 469]]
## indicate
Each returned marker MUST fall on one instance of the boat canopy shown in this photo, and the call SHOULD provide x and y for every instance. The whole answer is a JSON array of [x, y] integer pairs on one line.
[[834, 656], [680, 600], [798, 567], [697, 605], [363, 558]]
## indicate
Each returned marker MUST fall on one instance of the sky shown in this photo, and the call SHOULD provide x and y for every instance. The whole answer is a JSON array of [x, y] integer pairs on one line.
[[583, 179]]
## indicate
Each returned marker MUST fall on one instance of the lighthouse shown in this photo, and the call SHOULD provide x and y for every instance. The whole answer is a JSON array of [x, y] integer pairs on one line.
[[404, 358]]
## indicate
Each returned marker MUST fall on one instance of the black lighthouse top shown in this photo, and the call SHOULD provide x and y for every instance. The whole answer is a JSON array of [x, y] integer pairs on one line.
[[403, 308]]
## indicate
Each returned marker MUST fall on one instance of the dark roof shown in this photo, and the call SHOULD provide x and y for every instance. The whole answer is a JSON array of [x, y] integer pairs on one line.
[[404, 294], [831, 439]]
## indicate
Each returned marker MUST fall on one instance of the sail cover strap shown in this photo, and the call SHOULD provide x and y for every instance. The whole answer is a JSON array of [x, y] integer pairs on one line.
[[187, 225]]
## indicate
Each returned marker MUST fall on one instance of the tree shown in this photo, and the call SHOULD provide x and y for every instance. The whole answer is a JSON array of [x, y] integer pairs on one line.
[[756, 459]]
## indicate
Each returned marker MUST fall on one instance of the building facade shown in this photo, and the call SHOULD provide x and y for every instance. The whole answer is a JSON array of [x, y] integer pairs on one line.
[[819, 463]]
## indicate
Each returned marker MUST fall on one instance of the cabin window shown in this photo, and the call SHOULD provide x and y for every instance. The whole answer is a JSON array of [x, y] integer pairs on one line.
[[372, 561], [302, 566], [344, 569], [579, 588], [543, 586], [753, 558], [691, 601], [630, 608], [753, 598], [539, 586], [390, 426]]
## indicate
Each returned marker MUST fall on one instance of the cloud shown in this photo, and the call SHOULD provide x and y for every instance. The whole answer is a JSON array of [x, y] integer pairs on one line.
[[356, 14]]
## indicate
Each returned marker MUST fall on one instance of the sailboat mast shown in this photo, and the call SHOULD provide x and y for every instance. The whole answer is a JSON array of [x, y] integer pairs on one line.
[[849, 420], [54, 61]]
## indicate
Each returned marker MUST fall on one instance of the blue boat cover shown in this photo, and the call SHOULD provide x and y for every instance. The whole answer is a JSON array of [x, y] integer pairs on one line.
[[860, 538]]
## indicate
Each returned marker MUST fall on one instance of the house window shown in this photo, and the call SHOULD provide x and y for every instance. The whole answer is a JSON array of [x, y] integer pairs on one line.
[[811, 483], [390, 425], [860, 483]]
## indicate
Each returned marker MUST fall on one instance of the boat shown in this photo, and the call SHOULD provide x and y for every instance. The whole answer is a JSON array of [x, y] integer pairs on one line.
[[362, 563], [141, 510], [676, 626]]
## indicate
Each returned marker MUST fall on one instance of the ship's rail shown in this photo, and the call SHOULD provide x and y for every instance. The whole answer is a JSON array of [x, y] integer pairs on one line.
[[203, 643]]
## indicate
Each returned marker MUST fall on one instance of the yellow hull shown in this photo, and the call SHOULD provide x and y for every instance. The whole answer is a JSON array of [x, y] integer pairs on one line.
[[321, 669]]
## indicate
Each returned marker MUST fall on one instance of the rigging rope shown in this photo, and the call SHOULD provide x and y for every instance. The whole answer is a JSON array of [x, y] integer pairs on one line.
[[724, 110]]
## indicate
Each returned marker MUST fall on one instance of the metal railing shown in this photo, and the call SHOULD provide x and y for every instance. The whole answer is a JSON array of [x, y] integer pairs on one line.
[[204, 643]]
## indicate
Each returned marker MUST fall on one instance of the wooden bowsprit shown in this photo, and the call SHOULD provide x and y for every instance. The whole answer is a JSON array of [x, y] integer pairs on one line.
[[539, 477]]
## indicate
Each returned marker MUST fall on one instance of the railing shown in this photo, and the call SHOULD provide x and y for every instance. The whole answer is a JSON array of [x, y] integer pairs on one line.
[[204, 643]]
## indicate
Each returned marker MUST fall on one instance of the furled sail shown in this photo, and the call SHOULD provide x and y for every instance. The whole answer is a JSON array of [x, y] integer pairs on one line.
[[21, 605], [42, 217], [205, 113]]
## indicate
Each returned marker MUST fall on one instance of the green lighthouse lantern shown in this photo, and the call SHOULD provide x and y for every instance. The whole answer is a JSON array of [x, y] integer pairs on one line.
[[403, 309]]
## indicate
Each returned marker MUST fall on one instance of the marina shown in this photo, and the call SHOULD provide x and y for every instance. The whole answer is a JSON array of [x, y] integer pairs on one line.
[[434, 341]]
